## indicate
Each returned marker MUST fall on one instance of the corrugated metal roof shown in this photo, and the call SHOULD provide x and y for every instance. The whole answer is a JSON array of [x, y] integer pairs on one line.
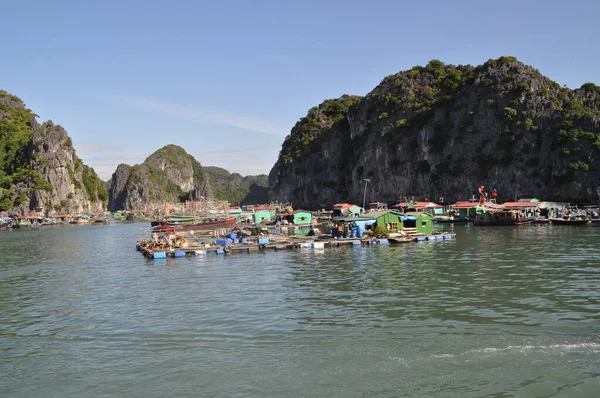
[[379, 213], [520, 204], [464, 205]]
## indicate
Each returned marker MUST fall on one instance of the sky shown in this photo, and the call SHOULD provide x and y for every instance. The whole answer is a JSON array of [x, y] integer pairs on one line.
[[227, 80]]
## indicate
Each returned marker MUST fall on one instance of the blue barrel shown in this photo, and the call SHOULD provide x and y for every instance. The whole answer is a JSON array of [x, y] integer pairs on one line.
[[232, 235], [244, 240]]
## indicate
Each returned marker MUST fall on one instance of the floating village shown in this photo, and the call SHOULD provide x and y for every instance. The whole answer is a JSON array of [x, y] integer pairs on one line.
[[200, 228]]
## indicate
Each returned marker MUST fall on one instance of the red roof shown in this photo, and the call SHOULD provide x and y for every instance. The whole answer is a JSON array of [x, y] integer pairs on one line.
[[419, 205], [28, 217], [520, 204], [402, 204], [342, 205], [464, 205]]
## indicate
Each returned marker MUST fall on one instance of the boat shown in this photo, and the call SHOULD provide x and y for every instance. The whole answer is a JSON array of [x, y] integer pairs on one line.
[[195, 224], [570, 220], [540, 221], [501, 217], [448, 219]]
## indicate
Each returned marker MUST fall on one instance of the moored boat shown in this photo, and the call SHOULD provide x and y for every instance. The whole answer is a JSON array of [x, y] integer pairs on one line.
[[540, 221], [570, 220]]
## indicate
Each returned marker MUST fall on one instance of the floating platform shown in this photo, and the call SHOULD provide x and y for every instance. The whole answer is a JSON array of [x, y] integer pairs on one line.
[[230, 248]]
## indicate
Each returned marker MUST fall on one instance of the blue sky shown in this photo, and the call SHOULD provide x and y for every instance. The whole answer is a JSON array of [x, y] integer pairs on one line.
[[227, 80]]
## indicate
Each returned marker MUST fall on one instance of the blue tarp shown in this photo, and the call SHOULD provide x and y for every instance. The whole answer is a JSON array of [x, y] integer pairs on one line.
[[405, 217], [363, 224]]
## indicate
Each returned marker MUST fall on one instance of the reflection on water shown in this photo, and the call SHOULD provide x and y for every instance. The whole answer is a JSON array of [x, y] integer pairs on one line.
[[497, 311]]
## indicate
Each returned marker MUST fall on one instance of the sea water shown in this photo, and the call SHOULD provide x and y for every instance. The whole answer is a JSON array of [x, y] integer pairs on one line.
[[507, 311]]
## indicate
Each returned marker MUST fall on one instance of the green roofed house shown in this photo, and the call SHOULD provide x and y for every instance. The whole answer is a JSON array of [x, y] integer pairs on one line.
[[419, 221], [424, 223], [387, 219], [298, 217], [262, 216]]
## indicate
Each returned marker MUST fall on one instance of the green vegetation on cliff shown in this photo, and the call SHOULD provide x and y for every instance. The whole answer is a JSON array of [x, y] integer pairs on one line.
[[15, 165], [443, 129], [236, 189], [172, 175], [25, 152], [318, 120]]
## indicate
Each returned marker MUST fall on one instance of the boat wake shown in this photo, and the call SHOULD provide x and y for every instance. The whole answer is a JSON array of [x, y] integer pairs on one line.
[[526, 349]]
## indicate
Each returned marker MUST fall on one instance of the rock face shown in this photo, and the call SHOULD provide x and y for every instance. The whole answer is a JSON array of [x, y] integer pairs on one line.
[[442, 131], [39, 171], [169, 175]]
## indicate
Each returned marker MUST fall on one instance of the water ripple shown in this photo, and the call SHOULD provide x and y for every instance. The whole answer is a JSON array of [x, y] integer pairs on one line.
[[498, 312]]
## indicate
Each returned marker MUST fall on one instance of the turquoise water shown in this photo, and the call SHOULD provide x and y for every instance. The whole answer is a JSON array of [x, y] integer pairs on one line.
[[497, 312]]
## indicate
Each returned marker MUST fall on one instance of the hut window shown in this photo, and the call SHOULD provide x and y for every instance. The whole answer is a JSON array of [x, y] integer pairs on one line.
[[394, 226]]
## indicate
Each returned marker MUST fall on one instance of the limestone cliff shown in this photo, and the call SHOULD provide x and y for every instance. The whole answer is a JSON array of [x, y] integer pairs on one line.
[[39, 171], [169, 175], [443, 130]]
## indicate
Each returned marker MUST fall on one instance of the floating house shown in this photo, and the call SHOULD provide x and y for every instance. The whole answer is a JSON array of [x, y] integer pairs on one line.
[[298, 217], [424, 223], [529, 208], [468, 210], [534, 206], [346, 210], [421, 222], [264, 214], [387, 219]]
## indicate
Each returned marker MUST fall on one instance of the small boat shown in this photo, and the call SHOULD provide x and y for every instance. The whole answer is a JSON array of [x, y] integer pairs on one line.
[[448, 219], [570, 221]]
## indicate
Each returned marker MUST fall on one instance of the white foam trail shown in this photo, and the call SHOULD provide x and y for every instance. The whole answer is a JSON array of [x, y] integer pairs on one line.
[[594, 347]]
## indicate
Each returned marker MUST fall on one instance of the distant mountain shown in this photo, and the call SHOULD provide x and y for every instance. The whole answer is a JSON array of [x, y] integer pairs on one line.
[[40, 174], [237, 189], [443, 130], [171, 175]]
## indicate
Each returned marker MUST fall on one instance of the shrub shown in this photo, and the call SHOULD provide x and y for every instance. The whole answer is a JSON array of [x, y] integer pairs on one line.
[[510, 113], [579, 165], [507, 59], [381, 232]]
